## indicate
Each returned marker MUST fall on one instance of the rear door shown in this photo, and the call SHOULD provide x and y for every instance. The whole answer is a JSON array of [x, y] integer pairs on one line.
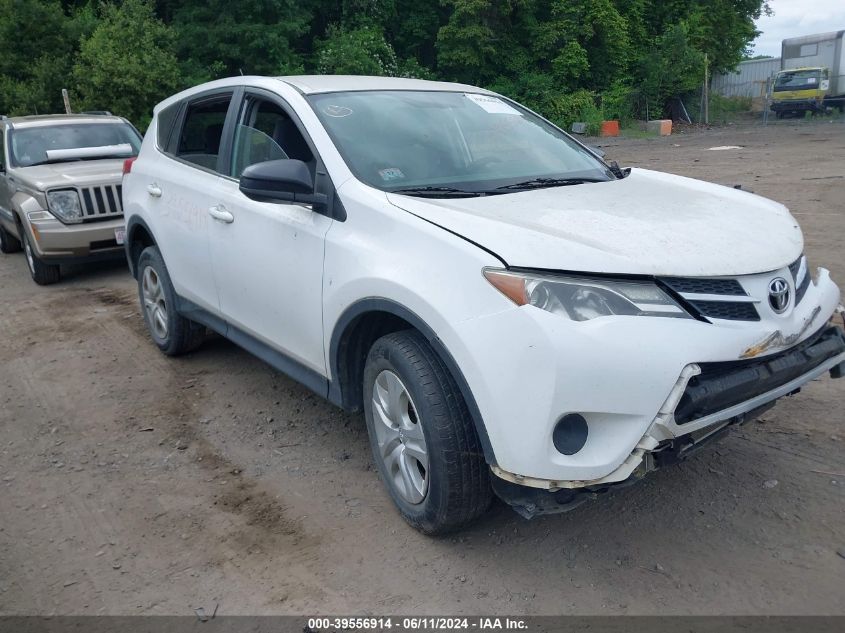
[[268, 257], [181, 188]]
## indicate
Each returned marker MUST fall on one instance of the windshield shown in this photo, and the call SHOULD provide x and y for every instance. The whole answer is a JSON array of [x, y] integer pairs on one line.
[[466, 142], [29, 145], [798, 80]]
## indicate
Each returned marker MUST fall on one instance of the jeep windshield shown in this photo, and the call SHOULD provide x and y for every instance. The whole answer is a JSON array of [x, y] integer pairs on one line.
[[448, 144], [798, 80], [40, 144]]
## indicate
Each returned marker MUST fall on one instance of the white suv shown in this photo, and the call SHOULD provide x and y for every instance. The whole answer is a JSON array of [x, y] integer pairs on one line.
[[512, 314]]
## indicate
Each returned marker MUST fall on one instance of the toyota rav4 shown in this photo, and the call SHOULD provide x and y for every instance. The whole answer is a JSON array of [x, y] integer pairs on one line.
[[60, 191], [512, 314]]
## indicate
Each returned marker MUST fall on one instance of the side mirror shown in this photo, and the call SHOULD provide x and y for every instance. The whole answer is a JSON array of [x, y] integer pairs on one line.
[[285, 180]]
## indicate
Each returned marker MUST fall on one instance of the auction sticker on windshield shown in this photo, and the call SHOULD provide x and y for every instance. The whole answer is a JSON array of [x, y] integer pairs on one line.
[[493, 105]]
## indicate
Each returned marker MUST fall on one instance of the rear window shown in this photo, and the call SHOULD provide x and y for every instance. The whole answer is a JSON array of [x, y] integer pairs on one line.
[[202, 131]]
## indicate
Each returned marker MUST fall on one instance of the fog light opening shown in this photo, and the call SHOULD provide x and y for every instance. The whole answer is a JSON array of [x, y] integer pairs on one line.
[[570, 434]]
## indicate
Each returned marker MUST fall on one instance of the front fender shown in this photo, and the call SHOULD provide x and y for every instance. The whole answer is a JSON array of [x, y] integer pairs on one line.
[[24, 202], [381, 304]]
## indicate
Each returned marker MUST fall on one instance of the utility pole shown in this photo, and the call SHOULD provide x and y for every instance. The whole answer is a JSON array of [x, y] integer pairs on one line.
[[66, 99], [706, 91]]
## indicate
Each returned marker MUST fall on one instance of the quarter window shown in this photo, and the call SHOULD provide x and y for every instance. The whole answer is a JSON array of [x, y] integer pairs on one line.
[[166, 119], [202, 131]]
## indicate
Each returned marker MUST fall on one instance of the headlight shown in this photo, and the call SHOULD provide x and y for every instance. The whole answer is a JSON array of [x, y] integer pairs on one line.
[[582, 299], [64, 204]]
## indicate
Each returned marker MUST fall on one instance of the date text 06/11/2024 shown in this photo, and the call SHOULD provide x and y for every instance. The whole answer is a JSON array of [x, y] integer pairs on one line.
[[422, 623]]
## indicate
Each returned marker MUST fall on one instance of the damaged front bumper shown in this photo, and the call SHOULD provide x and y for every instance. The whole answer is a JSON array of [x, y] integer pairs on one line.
[[706, 400]]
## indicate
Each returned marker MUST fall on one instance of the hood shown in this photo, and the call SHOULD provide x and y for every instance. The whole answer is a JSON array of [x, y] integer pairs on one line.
[[81, 173], [649, 223]]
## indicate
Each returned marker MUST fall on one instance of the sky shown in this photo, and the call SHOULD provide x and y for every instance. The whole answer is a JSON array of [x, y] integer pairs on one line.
[[794, 18]]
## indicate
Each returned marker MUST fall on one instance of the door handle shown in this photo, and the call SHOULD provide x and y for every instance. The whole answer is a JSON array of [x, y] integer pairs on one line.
[[154, 190], [219, 212]]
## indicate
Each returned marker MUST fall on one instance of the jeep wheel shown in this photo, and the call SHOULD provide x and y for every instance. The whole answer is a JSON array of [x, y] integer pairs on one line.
[[423, 439], [170, 331], [43, 274], [8, 242]]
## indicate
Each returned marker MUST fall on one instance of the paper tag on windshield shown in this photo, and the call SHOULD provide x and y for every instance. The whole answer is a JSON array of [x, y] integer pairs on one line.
[[491, 104]]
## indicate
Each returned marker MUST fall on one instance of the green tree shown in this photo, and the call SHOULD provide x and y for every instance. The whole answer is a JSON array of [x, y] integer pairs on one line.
[[128, 63], [470, 46], [672, 68], [218, 38], [38, 41], [358, 51]]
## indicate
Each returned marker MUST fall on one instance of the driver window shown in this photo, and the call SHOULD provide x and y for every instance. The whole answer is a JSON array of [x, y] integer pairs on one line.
[[265, 132]]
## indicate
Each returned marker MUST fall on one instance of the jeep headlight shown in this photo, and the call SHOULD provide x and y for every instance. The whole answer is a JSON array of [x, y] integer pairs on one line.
[[583, 298], [64, 204]]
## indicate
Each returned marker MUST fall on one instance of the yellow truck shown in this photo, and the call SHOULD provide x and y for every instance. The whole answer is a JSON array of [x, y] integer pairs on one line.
[[811, 76]]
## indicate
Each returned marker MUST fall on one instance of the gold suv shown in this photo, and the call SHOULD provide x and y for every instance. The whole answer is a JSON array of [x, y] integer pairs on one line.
[[60, 189]]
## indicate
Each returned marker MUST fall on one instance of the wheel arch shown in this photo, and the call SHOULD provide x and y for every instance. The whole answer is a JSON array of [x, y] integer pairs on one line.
[[360, 325], [138, 237], [21, 203]]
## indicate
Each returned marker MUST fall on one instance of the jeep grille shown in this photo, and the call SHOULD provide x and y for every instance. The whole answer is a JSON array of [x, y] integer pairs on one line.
[[101, 201]]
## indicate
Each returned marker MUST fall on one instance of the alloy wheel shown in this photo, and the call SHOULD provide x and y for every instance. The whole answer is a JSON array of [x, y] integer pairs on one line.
[[401, 443], [154, 303], [29, 257]]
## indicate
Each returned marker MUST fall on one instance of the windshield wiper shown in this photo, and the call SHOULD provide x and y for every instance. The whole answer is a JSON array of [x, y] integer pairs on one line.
[[51, 161], [106, 157], [435, 192], [540, 183]]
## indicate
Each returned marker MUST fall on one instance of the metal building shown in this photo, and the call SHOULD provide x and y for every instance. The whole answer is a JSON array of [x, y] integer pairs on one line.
[[750, 78]]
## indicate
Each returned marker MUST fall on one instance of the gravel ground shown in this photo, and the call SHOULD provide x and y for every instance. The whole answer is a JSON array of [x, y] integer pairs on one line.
[[131, 483]]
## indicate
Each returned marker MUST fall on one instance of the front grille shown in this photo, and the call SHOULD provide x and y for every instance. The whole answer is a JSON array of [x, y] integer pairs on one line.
[[703, 286], [101, 201], [703, 296], [728, 310]]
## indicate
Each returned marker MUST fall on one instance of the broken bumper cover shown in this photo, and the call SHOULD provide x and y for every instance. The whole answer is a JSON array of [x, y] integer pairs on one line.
[[707, 399], [720, 386]]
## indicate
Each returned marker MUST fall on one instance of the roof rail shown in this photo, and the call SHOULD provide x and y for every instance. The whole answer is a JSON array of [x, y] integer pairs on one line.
[[97, 112]]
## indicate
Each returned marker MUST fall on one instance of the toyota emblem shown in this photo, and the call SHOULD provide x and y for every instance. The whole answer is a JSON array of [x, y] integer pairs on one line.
[[779, 294]]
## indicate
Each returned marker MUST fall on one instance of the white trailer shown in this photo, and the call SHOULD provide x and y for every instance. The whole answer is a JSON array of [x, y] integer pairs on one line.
[[823, 50]]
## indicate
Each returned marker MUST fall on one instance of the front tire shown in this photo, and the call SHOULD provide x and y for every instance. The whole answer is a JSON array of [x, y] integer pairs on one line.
[[8, 242], [172, 333], [42, 273], [423, 438]]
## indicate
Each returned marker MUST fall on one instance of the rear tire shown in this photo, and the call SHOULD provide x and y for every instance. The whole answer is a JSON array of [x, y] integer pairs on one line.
[[424, 442], [42, 273], [8, 242], [172, 333]]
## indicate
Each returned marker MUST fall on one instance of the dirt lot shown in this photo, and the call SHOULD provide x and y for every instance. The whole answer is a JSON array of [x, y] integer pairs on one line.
[[131, 483]]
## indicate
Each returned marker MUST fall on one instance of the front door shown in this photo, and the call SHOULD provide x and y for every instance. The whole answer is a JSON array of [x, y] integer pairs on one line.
[[268, 257]]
